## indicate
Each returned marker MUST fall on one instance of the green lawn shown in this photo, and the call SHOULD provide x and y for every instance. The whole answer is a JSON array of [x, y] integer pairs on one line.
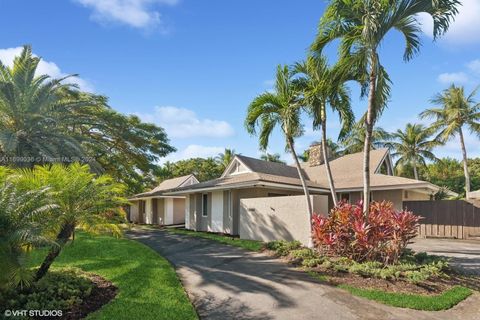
[[443, 301], [245, 244], [148, 285]]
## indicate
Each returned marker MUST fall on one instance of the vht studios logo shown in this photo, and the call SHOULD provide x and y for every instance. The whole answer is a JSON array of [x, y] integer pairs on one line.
[[33, 313]]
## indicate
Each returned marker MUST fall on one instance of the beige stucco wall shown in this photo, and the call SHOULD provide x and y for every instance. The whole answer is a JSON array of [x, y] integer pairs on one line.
[[415, 196], [178, 211], [230, 221], [278, 218], [394, 196]]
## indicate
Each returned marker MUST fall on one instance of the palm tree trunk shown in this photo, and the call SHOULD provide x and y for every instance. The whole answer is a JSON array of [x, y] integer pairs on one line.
[[368, 137], [415, 172], [62, 238], [304, 185], [465, 164], [327, 163]]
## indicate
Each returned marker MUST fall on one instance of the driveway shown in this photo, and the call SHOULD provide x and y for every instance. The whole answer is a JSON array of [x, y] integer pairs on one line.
[[463, 254], [226, 282]]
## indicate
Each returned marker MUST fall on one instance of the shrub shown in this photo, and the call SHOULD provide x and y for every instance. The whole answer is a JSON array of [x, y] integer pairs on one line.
[[58, 290], [282, 247], [412, 272], [312, 262], [381, 235]]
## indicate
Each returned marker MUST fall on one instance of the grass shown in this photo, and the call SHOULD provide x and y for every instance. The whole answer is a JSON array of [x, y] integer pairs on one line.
[[251, 245], [148, 285], [443, 301]]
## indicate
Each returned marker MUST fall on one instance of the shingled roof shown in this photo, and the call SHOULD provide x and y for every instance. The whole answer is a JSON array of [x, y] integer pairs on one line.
[[164, 186]]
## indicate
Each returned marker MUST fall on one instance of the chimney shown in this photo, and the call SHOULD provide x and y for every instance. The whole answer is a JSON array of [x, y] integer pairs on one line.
[[315, 156]]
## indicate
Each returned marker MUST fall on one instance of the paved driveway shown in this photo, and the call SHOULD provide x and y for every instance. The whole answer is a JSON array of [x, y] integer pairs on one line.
[[225, 282], [463, 254]]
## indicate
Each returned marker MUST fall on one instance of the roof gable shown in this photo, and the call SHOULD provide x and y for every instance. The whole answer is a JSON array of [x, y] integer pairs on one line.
[[236, 166], [262, 166]]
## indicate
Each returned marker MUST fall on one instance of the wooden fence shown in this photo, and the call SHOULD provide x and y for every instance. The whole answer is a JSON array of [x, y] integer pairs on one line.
[[446, 218]]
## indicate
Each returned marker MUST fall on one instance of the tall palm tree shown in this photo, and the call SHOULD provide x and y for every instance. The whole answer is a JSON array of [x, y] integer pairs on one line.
[[226, 157], [361, 26], [322, 87], [281, 108], [456, 112], [32, 110], [413, 145], [354, 141], [272, 157]]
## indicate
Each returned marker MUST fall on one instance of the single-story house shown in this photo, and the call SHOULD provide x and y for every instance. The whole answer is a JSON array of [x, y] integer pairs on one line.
[[155, 207], [215, 205]]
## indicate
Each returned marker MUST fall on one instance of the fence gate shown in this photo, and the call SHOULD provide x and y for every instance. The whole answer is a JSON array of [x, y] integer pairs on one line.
[[446, 218]]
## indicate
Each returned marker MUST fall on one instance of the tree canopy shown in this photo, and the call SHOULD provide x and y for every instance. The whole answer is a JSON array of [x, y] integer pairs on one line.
[[45, 120]]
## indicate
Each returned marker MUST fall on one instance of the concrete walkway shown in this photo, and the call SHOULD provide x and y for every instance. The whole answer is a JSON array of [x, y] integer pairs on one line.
[[463, 254], [226, 282]]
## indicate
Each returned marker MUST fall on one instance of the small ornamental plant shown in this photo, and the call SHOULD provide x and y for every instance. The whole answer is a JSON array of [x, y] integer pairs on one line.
[[380, 235]]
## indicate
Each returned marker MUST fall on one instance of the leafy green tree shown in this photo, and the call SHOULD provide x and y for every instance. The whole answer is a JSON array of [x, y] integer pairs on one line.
[[272, 157], [362, 26], [280, 108], [44, 120], [354, 141], [226, 157], [23, 220], [455, 113], [203, 169], [123, 146], [413, 146], [83, 200], [322, 87], [448, 172]]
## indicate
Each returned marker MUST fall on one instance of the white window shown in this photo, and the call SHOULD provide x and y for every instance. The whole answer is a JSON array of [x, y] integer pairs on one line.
[[204, 205]]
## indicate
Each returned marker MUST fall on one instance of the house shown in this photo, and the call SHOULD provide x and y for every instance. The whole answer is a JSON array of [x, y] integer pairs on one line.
[[218, 205], [155, 207]]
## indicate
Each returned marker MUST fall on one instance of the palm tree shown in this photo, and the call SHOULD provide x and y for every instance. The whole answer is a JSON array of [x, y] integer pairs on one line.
[[226, 157], [455, 112], [354, 141], [322, 86], [272, 157], [83, 199], [413, 145], [23, 220], [32, 110], [280, 108], [362, 27]]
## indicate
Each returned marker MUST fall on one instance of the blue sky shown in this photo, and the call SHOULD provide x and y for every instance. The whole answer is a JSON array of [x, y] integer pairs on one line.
[[193, 66]]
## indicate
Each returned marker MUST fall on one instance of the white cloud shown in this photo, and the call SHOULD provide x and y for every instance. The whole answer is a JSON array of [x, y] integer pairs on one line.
[[454, 77], [135, 13], [474, 66], [44, 67], [464, 30], [193, 151], [184, 123]]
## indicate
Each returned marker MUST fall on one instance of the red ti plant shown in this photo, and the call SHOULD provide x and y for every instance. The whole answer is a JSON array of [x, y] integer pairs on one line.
[[382, 235]]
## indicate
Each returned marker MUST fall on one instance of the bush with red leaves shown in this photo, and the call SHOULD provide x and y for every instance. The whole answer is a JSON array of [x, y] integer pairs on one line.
[[381, 235]]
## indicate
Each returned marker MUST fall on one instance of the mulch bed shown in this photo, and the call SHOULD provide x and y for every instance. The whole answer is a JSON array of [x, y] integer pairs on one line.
[[431, 287], [102, 293]]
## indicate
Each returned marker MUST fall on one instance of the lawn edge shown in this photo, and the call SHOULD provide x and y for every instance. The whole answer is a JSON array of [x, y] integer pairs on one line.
[[402, 300]]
